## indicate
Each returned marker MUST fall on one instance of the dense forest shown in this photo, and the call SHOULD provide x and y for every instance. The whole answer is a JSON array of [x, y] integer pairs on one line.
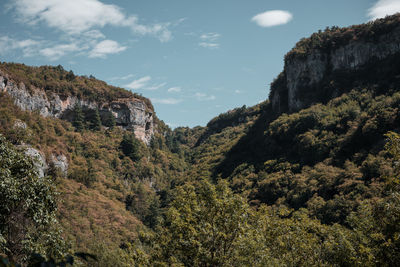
[[254, 187]]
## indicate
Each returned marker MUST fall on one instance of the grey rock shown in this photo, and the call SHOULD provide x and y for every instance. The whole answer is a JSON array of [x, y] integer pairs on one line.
[[18, 124], [60, 162], [302, 72], [130, 113], [38, 157]]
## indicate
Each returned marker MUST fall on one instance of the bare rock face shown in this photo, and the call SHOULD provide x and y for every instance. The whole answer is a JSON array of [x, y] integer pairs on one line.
[[130, 113], [60, 162], [38, 158], [18, 124], [307, 71]]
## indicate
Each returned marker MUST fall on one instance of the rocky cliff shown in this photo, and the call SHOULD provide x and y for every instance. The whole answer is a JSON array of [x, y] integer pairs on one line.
[[130, 113], [314, 62]]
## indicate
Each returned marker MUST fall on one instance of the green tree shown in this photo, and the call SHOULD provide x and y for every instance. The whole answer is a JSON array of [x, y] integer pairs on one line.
[[108, 119], [131, 147], [27, 209], [204, 226], [392, 146], [78, 121], [94, 120]]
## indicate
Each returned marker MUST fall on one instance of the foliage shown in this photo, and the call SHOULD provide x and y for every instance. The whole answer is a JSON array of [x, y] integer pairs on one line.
[[131, 147], [54, 79], [255, 187], [204, 226], [335, 36], [100, 177], [78, 121], [94, 120], [108, 119], [27, 208]]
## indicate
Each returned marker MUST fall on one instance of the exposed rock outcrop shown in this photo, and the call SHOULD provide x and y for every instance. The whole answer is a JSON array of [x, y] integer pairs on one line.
[[38, 158], [306, 71], [130, 113], [60, 162]]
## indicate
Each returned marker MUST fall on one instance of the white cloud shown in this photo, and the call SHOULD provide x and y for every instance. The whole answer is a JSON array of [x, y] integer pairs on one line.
[[27, 46], [383, 8], [238, 92], [212, 36], [167, 101], [155, 87], [57, 51], [174, 90], [79, 16], [272, 18], [106, 47], [204, 97], [210, 40], [139, 83], [72, 16], [94, 34], [209, 45], [119, 78]]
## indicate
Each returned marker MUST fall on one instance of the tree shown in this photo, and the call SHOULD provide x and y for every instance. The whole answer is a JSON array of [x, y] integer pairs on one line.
[[204, 226], [70, 76], [94, 120], [392, 147], [78, 121], [131, 147], [27, 209], [108, 119]]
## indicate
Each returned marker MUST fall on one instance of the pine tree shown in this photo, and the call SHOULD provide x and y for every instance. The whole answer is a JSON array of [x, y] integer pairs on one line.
[[130, 146], [108, 119], [78, 118], [95, 122]]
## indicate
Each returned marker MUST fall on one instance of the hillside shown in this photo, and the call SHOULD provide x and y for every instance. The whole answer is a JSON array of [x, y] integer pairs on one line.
[[308, 177], [280, 157], [106, 192]]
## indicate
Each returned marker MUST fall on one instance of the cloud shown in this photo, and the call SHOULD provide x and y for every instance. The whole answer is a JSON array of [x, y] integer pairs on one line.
[[174, 90], [209, 40], [94, 34], [77, 17], [27, 46], [139, 83], [120, 78], [204, 97], [106, 47], [167, 101], [209, 45], [238, 92], [383, 8], [212, 36], [55, 52], [155, 87], [272, 18]]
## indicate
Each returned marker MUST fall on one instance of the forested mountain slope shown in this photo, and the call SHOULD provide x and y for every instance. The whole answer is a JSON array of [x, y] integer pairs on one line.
[[87, 136], [308, 177], [328, 156]]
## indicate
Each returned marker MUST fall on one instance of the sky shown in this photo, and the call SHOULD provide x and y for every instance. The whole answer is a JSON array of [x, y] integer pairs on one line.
[[193, 59]]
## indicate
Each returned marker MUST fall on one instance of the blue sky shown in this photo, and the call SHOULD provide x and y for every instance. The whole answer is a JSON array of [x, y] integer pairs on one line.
[[193, 59]]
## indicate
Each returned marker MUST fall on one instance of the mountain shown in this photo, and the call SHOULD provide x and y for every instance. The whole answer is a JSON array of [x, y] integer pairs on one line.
[[307, 177], [327, 113], [332, 62], [108, 170], [55, 92]]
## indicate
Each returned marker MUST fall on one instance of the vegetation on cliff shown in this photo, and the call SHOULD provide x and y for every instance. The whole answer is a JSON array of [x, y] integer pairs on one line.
[[334, 37], [255, 187], [65, 83]]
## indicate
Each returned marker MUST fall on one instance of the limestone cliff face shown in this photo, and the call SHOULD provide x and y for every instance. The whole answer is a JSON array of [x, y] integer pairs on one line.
[[305, 72], [130, 113]]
